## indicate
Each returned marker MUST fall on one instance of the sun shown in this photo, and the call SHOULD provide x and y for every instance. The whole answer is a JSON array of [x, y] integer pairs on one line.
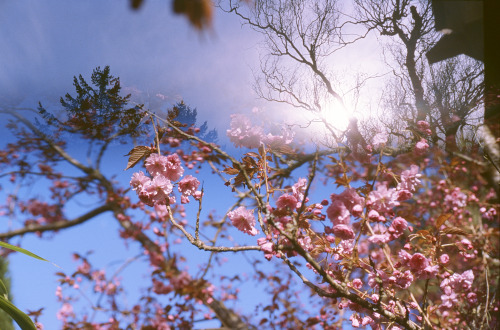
[[324, 126], [335, 114]]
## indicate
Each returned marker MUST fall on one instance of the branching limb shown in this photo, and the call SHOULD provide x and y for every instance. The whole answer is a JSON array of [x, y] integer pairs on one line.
[[202, 246], [58, 224]]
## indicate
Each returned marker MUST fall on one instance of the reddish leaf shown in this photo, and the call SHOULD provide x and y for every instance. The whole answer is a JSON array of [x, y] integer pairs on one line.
[[282, 148], [455, 230], [252, 154], [442, 219], [342, 181], [136, 154], [423, 233], [249, 162], [230, 170]]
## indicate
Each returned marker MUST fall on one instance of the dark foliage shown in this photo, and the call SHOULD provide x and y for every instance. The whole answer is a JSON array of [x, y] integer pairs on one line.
[[98, 112], [187, 116]]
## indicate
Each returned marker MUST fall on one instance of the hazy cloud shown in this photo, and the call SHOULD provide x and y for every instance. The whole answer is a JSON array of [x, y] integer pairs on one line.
[[44, 44]]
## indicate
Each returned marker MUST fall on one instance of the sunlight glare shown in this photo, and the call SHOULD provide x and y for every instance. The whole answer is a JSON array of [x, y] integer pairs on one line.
[[336, 115]]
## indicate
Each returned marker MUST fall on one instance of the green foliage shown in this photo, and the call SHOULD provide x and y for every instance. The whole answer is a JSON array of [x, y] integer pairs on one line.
[[5, 319], [8, 309], [21, 318], [18, 249]]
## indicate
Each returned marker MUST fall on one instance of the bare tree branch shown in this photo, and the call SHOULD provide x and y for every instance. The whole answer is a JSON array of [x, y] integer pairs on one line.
[[54, 226]]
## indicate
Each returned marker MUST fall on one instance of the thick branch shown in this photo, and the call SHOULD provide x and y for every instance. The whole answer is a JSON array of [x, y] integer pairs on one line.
[[411, 66], [58, 224], [50, 143]]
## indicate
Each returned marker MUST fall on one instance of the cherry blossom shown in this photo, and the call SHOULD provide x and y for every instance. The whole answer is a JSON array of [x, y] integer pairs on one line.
[[421, 146], [424, 127], [242, 133], [277, 140], [162, 188], [397, 227], [139, 180], [379, 139], [410, 179], [244, 220], [156, 164], [266, 246], [287, 201], [337, 212], [343, 232], [173, 166], [456, 199], [187, 186], [299, 188], [383, 199]]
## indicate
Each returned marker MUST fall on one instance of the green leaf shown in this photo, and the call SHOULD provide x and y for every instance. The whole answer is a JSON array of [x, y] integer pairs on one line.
[[3, 290], [21, 319], [18, 249]]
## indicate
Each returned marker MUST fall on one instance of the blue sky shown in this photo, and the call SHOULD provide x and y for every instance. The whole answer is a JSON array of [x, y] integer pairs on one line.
[[44, 44]]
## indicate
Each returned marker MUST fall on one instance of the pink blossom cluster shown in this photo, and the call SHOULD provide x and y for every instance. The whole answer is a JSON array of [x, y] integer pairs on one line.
[[360, 321], [299, 188], [286, 137], [65, 312], [488, 213], [158, 189], [401, 280], [282, 216], [419, 265], [345, 248], [191, 158], [188, 187], [243, 133], [421, 146], [456, 287], [385, 235], [383, 200], [168, 167], [466, 249], [357, 320], [456, 199], [410, 179], [339, 213], [287, 201], [380, 139], [46, 213], [293, 199], [103, 285], [267, 246], [244, 220], [424, 127]]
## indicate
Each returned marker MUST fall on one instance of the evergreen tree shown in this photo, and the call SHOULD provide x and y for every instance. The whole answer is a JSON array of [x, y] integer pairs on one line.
[[187, 116]]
